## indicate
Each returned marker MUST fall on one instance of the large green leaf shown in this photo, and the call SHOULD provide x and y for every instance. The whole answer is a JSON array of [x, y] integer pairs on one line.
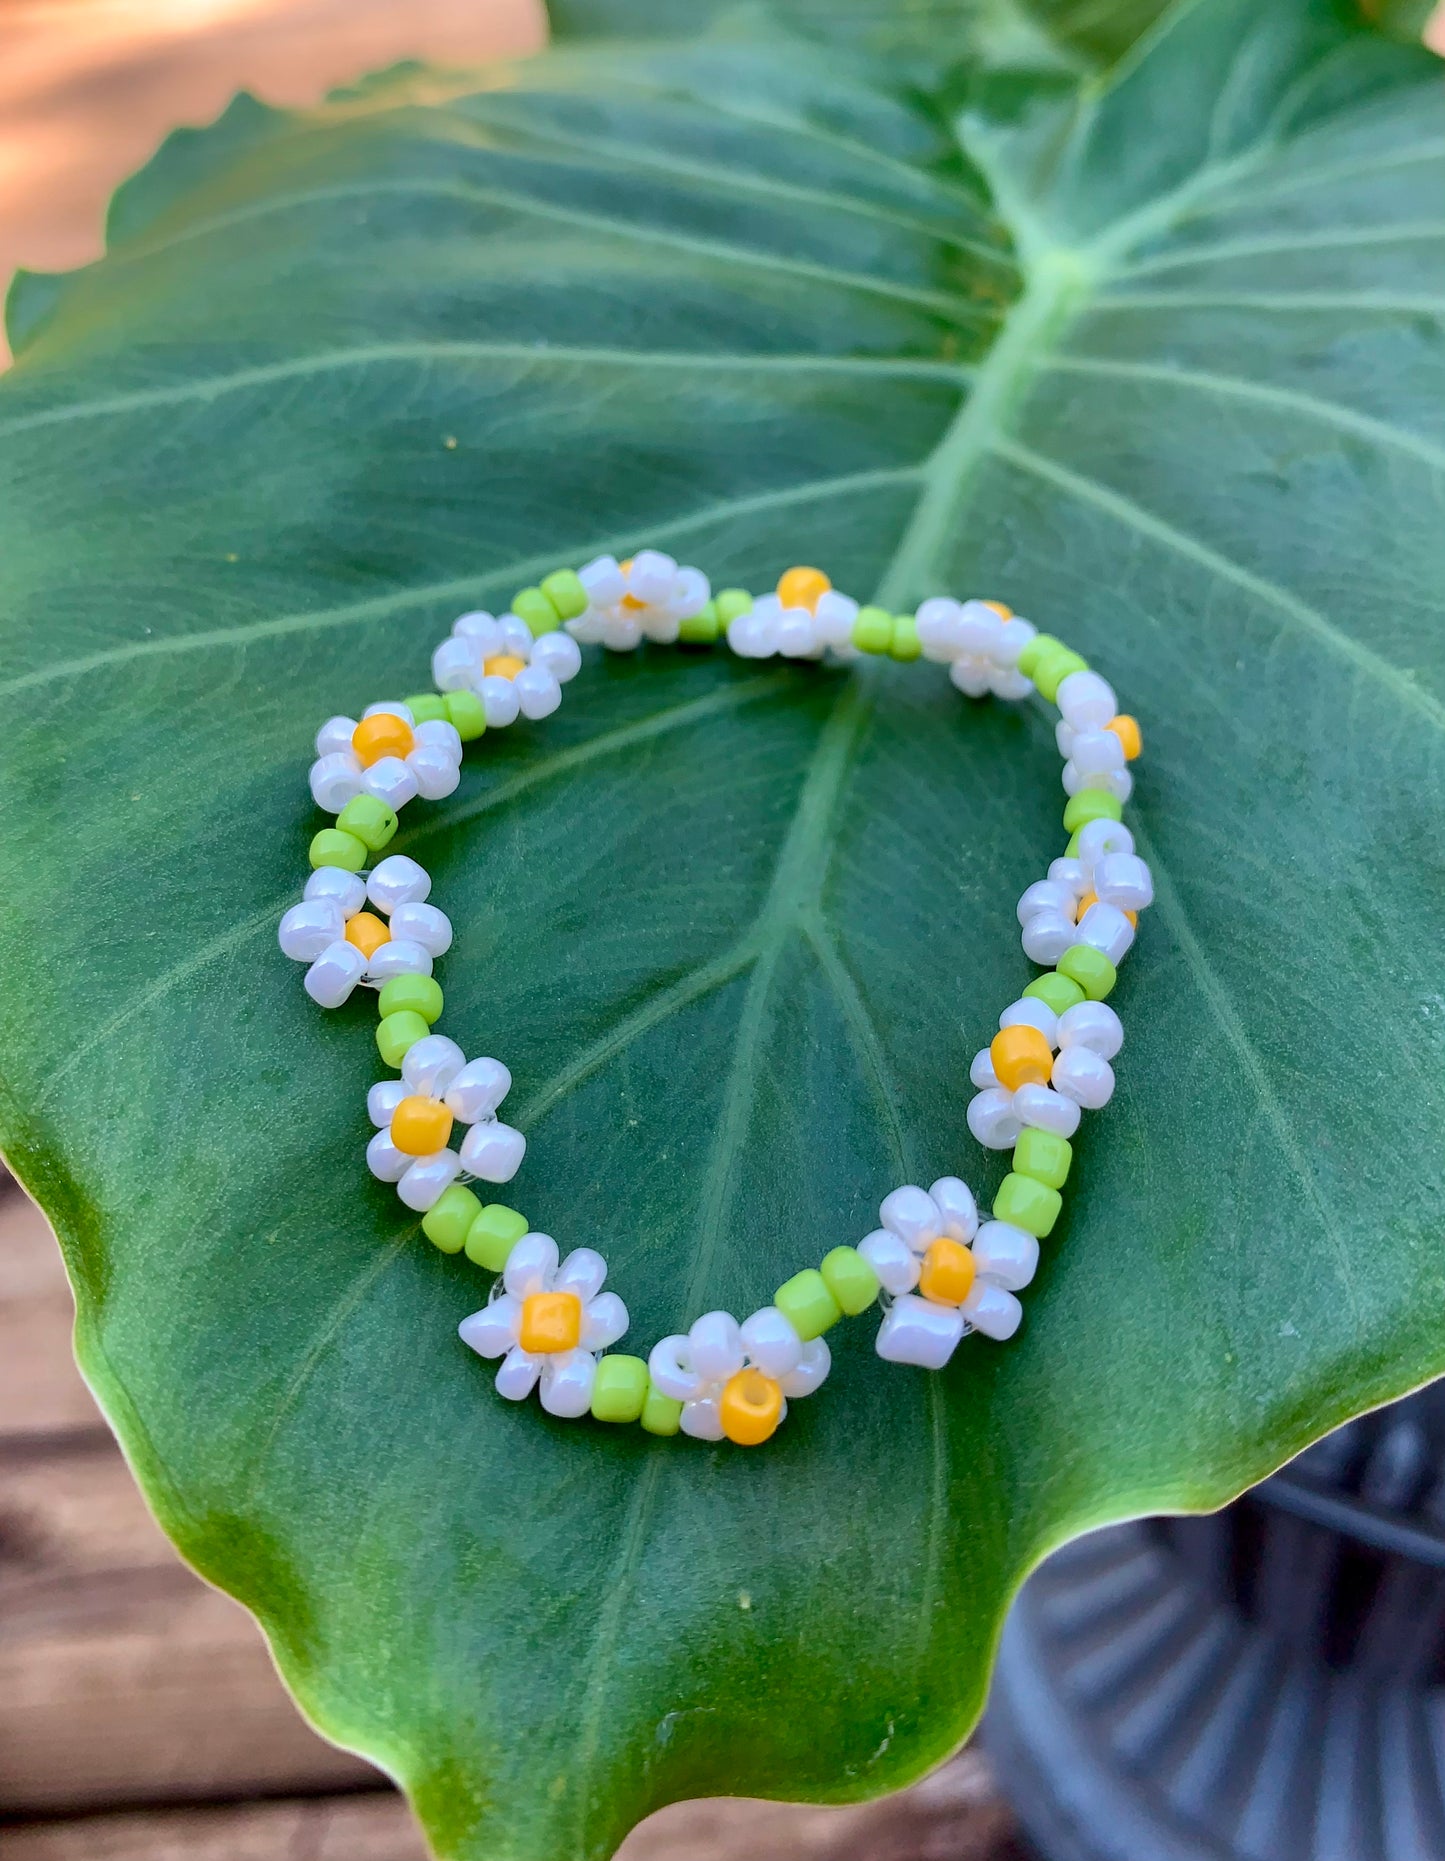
[[1165, 370]]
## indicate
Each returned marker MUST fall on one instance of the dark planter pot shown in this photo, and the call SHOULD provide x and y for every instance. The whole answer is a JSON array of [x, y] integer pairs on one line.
[[1266, 1682]]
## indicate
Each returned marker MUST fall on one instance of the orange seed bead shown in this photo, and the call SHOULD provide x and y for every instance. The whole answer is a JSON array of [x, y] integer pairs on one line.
[[750, 1408], [1001, 608], [421, 1126], [1021, 1057], [551, 1321], [803, 588], [382, 734], [1126, 729], [948, 1270], [367, 932], [507, 665]]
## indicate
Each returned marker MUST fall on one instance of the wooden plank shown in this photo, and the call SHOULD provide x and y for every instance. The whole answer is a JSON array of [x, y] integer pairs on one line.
[[955, 1813]]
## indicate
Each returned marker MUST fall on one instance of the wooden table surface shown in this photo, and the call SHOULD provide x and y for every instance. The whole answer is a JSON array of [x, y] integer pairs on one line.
[[140, 1716]]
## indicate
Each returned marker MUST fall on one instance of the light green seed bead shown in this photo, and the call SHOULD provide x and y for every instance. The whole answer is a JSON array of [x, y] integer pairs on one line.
[[700, 629], [1090, 968], [850, 1279], [1091, 804], [493, 1235], [1037, 651], [1027, 1204], [398, 1034], [1055, 991], [428, 707], [446, 1222], [466, 714], [564, 590], [872, 630], [370, 820], [730, 603], [1055, 669], [619, 1390], [661, 1415], [332, 847], [531, 605], [420, 994], [904, 644], [1045, 1156], [807, 1304]]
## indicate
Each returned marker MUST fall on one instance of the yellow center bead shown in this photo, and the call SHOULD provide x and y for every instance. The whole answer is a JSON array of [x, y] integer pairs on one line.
[[368, 932], [1021, 1057], [382, 735], [1126, 729], [630, 600], [750, 1408], [421, 1126], [503, 665], [947, 1276], [803, 588], [1000, 608], [551, 1322]]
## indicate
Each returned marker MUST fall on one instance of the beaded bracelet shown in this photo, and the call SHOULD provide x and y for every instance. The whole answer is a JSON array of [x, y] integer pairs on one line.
[[935, 1270]]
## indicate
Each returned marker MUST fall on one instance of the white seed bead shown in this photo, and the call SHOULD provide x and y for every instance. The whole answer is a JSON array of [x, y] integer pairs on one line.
[[489, 1332], [385, 1161], [957, 1207], [1045, 895], [701, 1419], [1093, 1025], [1118, 783], [531, 1265], [436, 733], [1046, 1110], [347, 888], [1099, 838], [1046, 936], [335, 780], [566, 1383], [771, 1342], [334, 736], [397, 881], [1064, 735], [1008, 683], [518, 1375], [538, 693], [833, 618], [993, 1119], [1013, 638], [669, 1364], [431, 1064], [980, 629], [715, 1345], [1070, 874], [477, 1090], [390, 707], [992, 1310], [919, 1332], [1086, 701], [480, 630], [796, 636], [1084, 1076], [1104, 927], [582, 1272], [912, 1214], [423, 924], [1097, 752], [334, 974], [604, 1320], [1123, 880], [559, 654], [651, 576], [455, 665], [391, 781], [754, 635], [1029, 1011], [382, 1101], [971, 676], [893, 1260], [516, 637], [810, 1371], [400, 957], [937, 621], [493, 1152], [428, 1178], [1006, 1255], [499, 701], [981, 1071], [435, 773], [603, 579], [691, 592], [309, 928]]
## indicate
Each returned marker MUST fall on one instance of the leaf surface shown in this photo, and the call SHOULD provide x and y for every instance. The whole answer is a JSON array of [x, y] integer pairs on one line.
[[1162, 366]]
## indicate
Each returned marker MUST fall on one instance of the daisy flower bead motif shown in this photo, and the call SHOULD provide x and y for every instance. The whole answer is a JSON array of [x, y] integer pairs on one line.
[[388, 756], [802, 618], [415, 1117], [513, 674], [648, 597], [922, 1257], [733, 1380], [355, 931], [549, 1323]]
